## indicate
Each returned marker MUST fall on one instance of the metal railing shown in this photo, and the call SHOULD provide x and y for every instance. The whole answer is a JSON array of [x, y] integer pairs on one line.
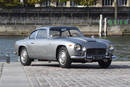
[[118, 21]]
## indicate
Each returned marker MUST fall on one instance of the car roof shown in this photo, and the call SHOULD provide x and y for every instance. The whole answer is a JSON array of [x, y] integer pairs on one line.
[[54, 27]]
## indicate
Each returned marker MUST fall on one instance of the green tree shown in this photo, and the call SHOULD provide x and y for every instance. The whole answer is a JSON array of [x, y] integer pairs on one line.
[[84, 2], [8, 3], [32, 2]]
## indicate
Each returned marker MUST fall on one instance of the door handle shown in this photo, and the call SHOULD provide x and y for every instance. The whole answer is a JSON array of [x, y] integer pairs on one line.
[[32, 43]]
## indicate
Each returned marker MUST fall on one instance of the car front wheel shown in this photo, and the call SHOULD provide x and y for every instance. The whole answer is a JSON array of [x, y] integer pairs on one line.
[[64, 58], [24, 59], [104, 64]]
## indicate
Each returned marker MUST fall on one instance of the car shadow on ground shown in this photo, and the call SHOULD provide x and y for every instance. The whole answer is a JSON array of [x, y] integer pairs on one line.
[[85, 66]]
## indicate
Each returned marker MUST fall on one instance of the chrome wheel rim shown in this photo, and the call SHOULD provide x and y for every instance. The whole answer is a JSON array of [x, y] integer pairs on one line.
[[62, 57], [24, 56]]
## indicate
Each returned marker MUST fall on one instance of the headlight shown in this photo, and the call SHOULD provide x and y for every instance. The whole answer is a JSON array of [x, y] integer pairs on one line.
[[78, 47], [111, 47]]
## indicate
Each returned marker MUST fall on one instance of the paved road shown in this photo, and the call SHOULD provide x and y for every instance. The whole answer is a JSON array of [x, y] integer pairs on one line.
[[42, 74], [13, 75], [80, 75]]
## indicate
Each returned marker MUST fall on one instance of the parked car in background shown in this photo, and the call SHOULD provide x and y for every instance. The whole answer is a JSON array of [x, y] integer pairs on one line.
[[65, 45]]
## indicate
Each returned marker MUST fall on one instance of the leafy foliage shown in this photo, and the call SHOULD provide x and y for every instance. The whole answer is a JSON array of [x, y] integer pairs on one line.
[[6, 3], [86, 2], [34, 1]]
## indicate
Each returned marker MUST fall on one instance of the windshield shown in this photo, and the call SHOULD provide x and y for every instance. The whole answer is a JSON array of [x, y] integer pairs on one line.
[[55, 33]]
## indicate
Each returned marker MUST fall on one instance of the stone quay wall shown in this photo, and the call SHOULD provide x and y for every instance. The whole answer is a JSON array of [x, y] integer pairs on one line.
[[86, 29], [22, 21]]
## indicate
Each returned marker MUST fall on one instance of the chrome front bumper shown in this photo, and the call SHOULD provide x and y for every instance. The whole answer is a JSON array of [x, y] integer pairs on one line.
[[90, 57]]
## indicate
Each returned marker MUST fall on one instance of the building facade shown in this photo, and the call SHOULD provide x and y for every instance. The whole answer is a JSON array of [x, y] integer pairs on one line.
[[98, 3], [111, 3]]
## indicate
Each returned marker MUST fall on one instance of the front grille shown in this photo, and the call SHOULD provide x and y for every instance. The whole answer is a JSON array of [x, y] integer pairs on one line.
[[92, 52]]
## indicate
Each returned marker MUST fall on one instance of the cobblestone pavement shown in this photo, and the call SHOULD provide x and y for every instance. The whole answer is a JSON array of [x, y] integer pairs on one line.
[[79, 75]]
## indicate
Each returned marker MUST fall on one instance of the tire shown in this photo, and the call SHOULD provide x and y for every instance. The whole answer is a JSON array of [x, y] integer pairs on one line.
[[24, 59], [104, 64], [64, 58]]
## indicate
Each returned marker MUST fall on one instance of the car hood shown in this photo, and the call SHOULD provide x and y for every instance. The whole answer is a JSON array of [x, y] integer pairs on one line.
[[81, 39], [89, 42]]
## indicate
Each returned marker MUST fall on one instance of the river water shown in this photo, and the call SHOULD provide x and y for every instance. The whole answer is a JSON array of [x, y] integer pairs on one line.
[[121, 43]]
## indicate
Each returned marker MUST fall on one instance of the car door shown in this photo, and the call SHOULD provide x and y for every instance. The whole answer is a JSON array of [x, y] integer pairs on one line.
[[43, 45], [31, 44]]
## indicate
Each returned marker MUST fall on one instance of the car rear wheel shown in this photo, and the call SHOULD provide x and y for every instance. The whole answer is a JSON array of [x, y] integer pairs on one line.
[[64, 58], [24, 59], [104, 63]]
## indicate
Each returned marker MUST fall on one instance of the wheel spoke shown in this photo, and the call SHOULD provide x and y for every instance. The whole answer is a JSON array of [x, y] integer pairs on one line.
[[62, 57], [24, 56]]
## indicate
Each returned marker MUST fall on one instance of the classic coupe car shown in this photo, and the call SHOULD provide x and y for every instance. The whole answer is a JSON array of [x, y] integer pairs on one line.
[[65, 45]]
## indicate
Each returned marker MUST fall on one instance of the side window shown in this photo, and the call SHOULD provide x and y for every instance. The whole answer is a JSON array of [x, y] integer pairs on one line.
[[41, 34], [54, 33], [32, 36]]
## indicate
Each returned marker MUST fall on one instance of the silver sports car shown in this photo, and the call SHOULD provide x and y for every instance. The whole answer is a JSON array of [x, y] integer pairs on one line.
[[65, 45]]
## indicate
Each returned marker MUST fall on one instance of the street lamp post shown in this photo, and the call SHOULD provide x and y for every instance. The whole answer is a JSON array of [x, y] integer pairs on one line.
[[116, 10]]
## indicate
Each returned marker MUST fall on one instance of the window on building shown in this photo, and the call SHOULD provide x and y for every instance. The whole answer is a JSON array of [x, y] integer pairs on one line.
[[94, 3], [121, 2], [60, 4], [73, 4], [45, 4], [107, 2]]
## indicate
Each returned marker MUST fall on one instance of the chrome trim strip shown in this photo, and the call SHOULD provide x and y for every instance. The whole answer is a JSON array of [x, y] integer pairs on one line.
[[79, 57], [83, 57]]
